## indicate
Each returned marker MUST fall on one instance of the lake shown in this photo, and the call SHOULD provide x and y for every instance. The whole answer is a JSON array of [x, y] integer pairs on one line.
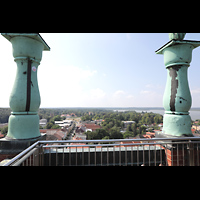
[[194, 112]]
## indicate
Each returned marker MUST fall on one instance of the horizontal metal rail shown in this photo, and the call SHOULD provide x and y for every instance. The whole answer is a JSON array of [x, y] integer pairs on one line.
[[118, 140], [23, 153], [24, 158], [111, 145]]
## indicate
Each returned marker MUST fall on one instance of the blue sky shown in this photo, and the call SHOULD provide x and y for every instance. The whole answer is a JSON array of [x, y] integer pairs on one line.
[[101, 70]]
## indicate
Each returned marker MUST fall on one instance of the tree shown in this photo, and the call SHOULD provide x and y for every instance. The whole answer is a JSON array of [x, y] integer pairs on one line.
[[129, 128], [4, 115], [92, 135], [115, 133], [101, 133], [49, 125], [150, 130], [134, 129], [143, 129], [4, 130], [122, 124], [86, 117], [148, 121], [156, 120], [63, 118], [106, 138], [127, 134], [55, 126], [57, 118], [143, 119]]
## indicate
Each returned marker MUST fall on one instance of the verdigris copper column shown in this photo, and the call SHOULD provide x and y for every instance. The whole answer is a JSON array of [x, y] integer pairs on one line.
[[177, 98], [25, 96]]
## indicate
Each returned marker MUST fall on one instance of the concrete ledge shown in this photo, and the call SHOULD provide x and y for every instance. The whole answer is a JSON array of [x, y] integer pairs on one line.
[[10, 148]]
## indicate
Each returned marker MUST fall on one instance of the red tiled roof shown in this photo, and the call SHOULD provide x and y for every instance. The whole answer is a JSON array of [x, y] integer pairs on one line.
[[53, 134], [43, 130], [193, 130], [92, 126], [77, 144], [76, 138]]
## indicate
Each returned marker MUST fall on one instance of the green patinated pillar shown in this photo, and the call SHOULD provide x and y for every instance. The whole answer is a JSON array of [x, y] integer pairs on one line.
[[177, 99], [25, 96]]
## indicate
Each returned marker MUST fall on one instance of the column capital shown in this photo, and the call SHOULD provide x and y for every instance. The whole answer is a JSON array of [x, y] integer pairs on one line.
[[178, 52], [35, 36]]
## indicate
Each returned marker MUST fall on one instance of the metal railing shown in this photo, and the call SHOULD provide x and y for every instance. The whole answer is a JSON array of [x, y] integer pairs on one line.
[[116, 152]]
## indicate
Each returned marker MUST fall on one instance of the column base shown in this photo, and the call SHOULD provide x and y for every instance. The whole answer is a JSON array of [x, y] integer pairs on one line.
[[11, 147], [177, 125], [23, 127]]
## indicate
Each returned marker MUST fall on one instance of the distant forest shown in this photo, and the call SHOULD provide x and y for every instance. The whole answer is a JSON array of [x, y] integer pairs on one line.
[[48, 113], [4, 114]]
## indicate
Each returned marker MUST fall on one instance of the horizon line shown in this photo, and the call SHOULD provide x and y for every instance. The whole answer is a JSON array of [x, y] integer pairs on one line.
[[106, 107]]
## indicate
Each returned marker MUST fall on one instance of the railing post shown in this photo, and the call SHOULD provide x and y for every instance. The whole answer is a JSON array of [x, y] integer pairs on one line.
[[191, 154], [36, 158]]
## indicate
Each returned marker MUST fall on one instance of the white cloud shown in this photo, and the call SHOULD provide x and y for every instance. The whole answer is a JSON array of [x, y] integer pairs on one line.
[[195, 91], [97, 93], [130, 96], [119, 93], [157, 86], [66, 89], [149, 85], [149, 98], [87, 73], [8, 71], [94, 98], [73, 73], [145, 92], [121, 98]]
